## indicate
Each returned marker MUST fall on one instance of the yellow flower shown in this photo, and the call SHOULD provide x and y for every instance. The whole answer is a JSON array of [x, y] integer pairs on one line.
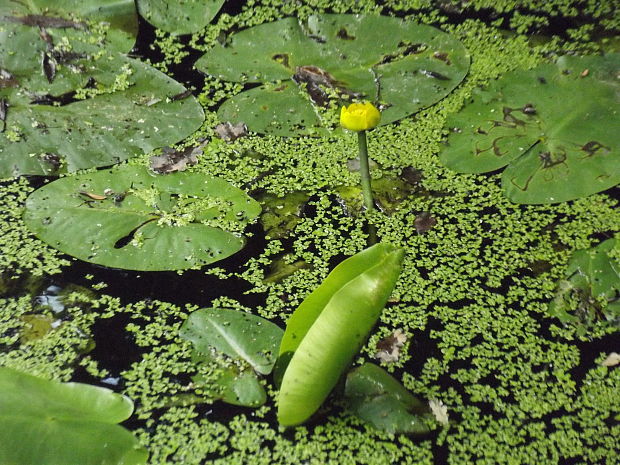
[[359, 116]]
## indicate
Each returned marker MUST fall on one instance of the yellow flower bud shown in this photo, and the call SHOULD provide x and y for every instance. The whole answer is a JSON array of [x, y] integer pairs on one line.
[[359, 116]]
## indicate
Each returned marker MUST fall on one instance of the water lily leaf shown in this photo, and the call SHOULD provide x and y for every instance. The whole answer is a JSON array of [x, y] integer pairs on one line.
[[146, 222], [280, 110], [179, 17], [401, 66], [63, 423], [590, 292], [554, 125], [237, 334], [111, 24], [113, 122], [379, 399], [330, 326]]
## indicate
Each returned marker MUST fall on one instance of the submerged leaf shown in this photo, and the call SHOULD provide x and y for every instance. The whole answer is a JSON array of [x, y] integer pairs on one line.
[[557, 130], [235, 384], [329, 57], [377, 398], [145, 222], [330, 326], [590, 292], [52, 423]]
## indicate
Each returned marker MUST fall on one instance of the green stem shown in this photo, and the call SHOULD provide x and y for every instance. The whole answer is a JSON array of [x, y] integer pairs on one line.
[[365, 171]]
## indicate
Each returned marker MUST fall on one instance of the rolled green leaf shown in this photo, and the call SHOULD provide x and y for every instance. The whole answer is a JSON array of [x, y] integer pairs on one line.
[[330, 326]]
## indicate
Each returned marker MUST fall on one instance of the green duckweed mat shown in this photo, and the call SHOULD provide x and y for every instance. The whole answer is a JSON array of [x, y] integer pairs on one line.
[[520, 388]]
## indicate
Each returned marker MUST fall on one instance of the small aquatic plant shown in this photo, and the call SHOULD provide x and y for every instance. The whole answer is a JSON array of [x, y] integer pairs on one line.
[[330, 326]]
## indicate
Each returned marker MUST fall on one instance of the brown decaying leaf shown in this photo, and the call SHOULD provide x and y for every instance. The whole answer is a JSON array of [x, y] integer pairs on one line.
[[175, 160], [181, 95], [314, 77], [230, 132], [424, 222], [388, 348], [7, 79], [411, 175], [49, 67]]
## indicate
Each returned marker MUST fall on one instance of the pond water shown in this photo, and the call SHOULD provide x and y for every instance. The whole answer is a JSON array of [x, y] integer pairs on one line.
[[520, 386]]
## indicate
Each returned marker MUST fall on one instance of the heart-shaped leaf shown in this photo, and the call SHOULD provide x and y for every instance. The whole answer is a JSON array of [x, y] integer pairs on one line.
[[129, 218], [379, 399], [330, 326], [179, 17], [555, 125], [399, 65], [237, 334], [51, 423]]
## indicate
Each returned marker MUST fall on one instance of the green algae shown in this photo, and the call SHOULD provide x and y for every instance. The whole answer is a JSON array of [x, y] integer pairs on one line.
[[520, 387]]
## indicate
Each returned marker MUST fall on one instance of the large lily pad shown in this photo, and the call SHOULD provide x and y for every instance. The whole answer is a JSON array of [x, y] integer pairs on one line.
[[179, 17], [379, 399], [555, 125], [401, 66], [129, 218], [130, 109], [51, 423], [590, 292]]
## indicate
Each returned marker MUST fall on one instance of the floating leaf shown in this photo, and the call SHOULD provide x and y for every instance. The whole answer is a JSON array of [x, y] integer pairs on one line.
[[237, 334], [377, 398], [113, 122], [177, 17], [115, 21], [591, 290], [241, 337], [553, 125], [52, 423], [401, 66], [330, 326], [146, 222]]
